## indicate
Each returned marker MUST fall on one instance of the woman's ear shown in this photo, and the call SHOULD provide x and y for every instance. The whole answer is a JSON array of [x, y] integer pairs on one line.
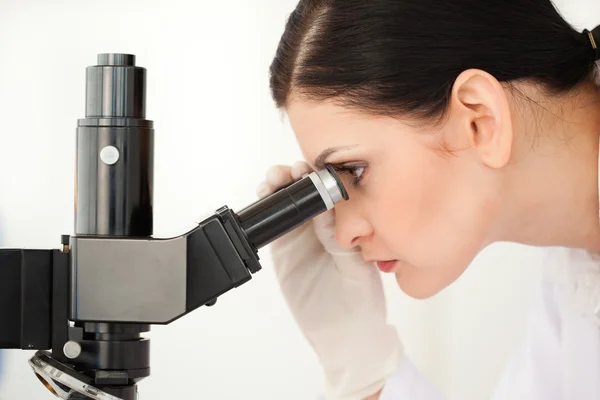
[[481, 117]]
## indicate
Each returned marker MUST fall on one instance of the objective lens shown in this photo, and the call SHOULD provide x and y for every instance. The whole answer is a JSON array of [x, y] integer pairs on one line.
[[283, 211]]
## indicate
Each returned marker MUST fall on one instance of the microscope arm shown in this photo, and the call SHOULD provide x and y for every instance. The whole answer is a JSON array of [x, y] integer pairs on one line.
[[150, 281], [145, 281]]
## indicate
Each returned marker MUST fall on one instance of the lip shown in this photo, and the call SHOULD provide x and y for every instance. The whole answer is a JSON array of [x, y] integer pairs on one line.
[[386, 266]]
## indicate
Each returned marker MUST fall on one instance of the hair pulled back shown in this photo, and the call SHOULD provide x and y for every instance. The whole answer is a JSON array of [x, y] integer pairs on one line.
[[392, 57]]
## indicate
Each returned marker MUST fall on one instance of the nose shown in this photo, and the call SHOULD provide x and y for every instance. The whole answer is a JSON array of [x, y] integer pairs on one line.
[[351, 226]]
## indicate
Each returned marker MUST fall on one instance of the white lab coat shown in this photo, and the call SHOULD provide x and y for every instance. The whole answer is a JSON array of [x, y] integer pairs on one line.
[[560, 357]]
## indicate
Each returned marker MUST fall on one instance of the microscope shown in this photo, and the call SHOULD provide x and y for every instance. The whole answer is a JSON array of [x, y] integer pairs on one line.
[[85, 306]]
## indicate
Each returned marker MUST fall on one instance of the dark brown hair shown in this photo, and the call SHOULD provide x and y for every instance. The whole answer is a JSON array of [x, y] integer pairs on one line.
[[395, 57]]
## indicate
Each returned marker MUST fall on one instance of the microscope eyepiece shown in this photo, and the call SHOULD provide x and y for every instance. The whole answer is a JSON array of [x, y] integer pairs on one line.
[[275, 215]]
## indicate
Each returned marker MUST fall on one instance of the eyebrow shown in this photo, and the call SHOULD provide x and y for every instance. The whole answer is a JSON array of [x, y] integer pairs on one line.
[[325, 154]]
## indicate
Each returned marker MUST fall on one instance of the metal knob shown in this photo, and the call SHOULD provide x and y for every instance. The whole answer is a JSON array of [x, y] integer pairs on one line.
[[72, 349]]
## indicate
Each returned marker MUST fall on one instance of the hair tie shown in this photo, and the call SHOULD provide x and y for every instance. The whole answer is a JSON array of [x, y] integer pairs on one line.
[[594, 37]]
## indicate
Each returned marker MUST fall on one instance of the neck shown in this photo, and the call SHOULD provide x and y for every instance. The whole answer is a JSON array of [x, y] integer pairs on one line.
[[551, 185]]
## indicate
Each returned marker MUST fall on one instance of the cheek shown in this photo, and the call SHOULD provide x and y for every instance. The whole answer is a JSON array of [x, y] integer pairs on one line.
[[430, 215]]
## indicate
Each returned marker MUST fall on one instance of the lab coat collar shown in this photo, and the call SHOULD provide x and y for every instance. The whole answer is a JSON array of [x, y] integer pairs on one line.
[[576, 272]]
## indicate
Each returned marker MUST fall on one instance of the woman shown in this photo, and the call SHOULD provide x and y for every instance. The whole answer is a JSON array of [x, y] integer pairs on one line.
[[458, 124]]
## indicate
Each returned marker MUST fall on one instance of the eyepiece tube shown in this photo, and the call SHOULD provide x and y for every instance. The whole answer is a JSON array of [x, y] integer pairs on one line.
[[287, 209], [114, 168]]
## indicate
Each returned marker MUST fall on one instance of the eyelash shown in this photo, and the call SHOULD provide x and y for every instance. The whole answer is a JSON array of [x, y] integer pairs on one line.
[[351, 170]]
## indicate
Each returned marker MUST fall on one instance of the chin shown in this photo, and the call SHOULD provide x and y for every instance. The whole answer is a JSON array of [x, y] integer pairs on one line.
[[425, 282], [420, 288]]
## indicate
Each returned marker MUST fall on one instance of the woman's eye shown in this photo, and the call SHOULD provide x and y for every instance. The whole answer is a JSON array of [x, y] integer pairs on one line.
[[358, 172], [355, 171]]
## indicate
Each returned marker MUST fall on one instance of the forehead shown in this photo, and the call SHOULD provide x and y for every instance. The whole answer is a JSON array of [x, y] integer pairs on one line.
[[314, 118], [318, 125], [321, 125]]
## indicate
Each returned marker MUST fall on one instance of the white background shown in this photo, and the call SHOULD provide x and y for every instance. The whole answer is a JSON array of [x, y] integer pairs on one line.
[[216, 133]]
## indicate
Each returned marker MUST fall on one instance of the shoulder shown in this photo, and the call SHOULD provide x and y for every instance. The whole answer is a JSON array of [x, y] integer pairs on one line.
[[560, 356], [572, 276]]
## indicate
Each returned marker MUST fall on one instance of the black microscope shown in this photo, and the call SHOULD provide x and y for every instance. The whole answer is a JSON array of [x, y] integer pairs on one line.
[[85, 305]]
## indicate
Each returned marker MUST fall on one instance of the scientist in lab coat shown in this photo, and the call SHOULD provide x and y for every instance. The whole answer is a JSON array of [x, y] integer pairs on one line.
[[454, 124]]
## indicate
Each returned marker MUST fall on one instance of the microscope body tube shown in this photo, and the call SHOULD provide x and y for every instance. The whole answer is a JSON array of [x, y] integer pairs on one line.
[[115, 152], [113, 200]]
